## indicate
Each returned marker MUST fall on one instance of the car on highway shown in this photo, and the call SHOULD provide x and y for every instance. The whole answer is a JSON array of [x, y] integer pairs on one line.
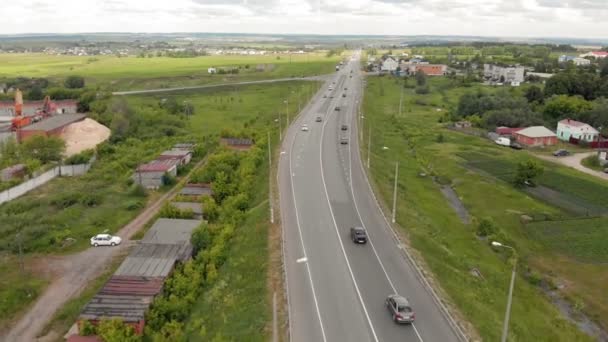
[[319, 119], [400, 309], [358, 234], [344, 127], [561, 153], [324, 96], [345, 88], [337, 109], [305, 128], [343, 141], [105, 240], [343, 95]]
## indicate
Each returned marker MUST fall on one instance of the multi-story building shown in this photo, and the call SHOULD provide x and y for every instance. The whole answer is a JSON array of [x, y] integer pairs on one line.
[[507, 75]]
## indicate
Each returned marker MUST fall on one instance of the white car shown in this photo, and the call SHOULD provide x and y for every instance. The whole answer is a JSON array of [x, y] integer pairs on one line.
[[105, 240], [305, 128]]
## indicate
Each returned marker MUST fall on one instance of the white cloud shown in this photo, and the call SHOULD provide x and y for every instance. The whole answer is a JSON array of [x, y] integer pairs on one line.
[[530, 18]]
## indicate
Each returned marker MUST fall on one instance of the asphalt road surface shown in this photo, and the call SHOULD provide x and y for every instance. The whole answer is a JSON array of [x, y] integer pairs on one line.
[[336, 289]]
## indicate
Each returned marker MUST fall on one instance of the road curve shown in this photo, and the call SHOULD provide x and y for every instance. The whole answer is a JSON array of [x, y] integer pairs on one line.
[[336, 290], [167, 90]]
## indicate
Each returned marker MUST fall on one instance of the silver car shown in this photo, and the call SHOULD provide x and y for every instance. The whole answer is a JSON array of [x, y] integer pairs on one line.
[[400, 309]]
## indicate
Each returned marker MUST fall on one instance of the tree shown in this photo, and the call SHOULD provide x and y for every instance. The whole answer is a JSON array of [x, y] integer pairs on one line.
[[562, 106], [43, 148], [527, 171], [35, 94], [420, 78], [74, 82], [170, 332], [534, 94], [114, 330]]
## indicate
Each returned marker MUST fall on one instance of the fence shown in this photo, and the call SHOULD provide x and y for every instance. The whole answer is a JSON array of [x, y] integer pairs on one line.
[[593, 144], [4, 136], [31, 184]]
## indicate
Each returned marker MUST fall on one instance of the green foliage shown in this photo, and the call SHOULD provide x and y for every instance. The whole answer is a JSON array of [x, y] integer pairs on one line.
[[440, 138], [562, 106], [35, 94], [572, 83], [486, 228], [170, 211], [114, 330], [420, 78], [527, 171], [168, 179], [74, 82], [86, 328], [201, 238], [422, 90], [210, 209], [170, 332], [498, 109], [534, 94], [45, 149], [80, 158]]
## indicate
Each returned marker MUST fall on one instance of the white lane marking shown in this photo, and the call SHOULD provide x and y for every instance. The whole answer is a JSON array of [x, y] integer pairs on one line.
[[352, 276], [295, 205], [369, 239]]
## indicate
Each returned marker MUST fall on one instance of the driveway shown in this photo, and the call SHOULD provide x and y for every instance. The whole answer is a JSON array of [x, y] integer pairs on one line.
[[74, 272], [574, 161]]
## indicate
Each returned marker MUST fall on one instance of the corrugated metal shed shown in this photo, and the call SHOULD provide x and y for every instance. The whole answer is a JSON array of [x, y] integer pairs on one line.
[[127, 308], [132, 286], [153, 260], [171, 231]]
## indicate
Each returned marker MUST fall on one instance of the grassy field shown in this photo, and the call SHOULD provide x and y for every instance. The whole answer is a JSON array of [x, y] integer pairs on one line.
[[124, 73], [449, 247]]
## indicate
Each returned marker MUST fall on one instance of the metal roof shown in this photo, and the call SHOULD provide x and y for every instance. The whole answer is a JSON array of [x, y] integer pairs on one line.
[[127, 308], [176, 153], [196, 190], [132, 286], [158, 165], [153, 260], [171, 231], [54, 122], [536, 132]]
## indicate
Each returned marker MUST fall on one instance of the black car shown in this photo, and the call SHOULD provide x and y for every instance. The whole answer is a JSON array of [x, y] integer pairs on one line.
[[561, 153], [319, 119], [358, 235], [400, 309], [343, 95], [515, 146], [344, 127], [337, 109], [344, 141]]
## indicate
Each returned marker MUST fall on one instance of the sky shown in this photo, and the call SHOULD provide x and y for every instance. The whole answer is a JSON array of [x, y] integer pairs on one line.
[[502, 18]]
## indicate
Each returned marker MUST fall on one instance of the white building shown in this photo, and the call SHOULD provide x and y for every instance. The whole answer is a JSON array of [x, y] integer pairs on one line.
[[389, 65], [505, 75], [212, 70], [581, 61]]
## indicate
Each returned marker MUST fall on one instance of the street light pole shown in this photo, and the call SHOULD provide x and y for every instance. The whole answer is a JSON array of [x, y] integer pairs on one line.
[[505, 326], [395, 191]]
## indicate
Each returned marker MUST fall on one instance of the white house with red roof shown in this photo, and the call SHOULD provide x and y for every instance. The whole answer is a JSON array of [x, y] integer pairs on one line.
[[595, 54], [579, 130]]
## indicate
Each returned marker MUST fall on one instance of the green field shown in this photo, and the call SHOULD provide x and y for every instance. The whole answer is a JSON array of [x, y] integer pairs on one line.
[[450, 248], [113, 73]]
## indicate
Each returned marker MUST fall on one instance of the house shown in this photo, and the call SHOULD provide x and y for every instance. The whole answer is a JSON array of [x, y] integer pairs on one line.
[[431, 69], [389, 64], [595, 54], [581, 61], [184, 157], [52, 126], [506, 75], [151, 175], [13, 172], [237, 143], [502, 130], [212, 70], [535, 136], [567, 129]]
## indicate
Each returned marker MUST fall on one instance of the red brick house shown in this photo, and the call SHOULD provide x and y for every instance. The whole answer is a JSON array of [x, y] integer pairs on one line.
[[536, 136]]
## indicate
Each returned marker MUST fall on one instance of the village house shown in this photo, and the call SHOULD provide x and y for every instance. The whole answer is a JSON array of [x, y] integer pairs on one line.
[[389, 65], [504, 75], [535, 136], [567, 129]]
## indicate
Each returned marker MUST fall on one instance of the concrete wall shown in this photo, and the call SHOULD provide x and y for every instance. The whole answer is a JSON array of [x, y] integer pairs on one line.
[[64, 170]]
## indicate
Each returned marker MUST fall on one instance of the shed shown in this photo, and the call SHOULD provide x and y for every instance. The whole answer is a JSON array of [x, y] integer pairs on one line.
[[150, 175], [183, 156], [184, 146], [536, 136], [171, 231], [13, 172], [196, 208], [52, 126], [237, 143], [153, 260]]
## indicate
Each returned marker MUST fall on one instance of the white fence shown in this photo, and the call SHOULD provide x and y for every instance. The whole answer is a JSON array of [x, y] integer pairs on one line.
[[63, 170]]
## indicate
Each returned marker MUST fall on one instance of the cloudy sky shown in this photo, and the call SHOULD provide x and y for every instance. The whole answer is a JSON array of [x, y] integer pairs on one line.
[[512, 18]]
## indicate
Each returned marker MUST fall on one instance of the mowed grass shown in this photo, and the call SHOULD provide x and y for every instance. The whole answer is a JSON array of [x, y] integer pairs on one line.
[[124, 73], [449, 247], [583, 239]]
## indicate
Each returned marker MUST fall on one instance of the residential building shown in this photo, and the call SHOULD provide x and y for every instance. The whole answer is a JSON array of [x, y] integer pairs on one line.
[[389, 64], [150, 175], [581, 61], [595, 54], [578, 130], [513, 75], [431, 69], [535, 136], [212, 70]]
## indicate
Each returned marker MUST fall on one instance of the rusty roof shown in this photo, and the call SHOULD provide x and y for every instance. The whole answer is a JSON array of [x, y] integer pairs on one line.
[[132, 286], [127, 308], [158, 165]]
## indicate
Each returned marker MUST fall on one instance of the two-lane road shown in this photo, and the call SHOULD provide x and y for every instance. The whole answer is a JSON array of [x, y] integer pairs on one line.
[[336, 289]]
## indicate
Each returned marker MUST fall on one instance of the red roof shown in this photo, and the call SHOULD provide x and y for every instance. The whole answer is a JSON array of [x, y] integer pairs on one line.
[[132, 286], [600, 53], [158, 165], [38, 104], [507, 130], [572, 123]]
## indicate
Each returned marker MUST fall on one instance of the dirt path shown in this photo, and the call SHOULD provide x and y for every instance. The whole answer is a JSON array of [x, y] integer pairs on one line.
[[574, 161], [74, 272]]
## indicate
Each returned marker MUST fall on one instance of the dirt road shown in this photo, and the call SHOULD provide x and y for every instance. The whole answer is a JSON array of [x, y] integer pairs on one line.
[[574, 161], [75, 271]]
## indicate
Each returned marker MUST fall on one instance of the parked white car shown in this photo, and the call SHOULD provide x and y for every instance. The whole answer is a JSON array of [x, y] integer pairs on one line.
[[105, 240], [503, 141]]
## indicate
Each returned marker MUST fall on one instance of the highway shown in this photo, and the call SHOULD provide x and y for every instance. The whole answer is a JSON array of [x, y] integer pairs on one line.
[[336, 289]]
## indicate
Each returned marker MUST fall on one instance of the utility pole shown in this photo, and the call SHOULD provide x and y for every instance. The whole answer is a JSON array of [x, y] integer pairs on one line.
[[505, 326], [21, 263], [401, 100], [369, 144], [270, 181], [287, 111], [395, 191]]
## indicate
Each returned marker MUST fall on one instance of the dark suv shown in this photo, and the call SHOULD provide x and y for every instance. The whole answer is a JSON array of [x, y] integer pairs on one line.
[[344, 127], [400, 309], [561, 153], [358, 235]]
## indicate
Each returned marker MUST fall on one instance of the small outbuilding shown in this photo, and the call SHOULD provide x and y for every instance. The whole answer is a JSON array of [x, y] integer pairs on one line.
[[237, 143], [52, 126], [536, 136], [196, 190], [151, 175], [182, 156]]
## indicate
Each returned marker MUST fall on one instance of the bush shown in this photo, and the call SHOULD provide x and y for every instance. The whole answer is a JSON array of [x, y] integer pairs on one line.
[[138, 190], [170, 211], [423, 90], [80, 158], [74, 82], [440, 138], [486, 228]]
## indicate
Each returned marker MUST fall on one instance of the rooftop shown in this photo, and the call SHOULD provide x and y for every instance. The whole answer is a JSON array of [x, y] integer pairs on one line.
[[133, 286], [171, 231], [158, 165], [237, 141], [153, 260], [536, 132], [54, 122], [176, 153], [196, 189], [128, 308]]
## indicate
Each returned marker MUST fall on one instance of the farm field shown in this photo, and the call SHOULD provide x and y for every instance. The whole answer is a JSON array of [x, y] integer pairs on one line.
[[125, 73], [451, 249], [104, 199]]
